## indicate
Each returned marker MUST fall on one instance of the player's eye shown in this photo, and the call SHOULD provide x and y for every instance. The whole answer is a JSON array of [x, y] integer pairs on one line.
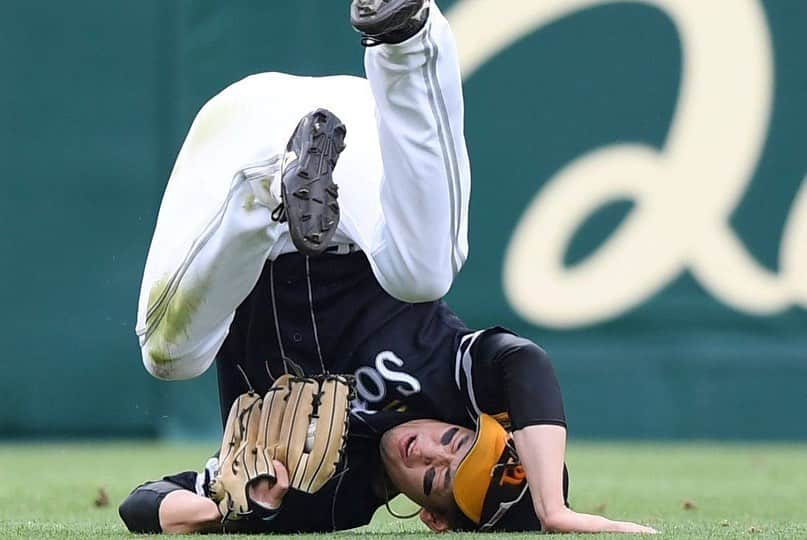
[[461, 442]]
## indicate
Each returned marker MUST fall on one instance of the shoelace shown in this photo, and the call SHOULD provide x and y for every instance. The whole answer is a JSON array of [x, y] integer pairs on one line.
[[279, 214], [368, 41]]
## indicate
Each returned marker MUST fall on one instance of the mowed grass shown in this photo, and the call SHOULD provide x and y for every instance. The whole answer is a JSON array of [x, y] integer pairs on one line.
[[684, 490]]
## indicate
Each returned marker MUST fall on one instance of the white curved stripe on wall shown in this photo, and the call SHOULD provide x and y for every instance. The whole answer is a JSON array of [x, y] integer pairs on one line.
[[683, 194]]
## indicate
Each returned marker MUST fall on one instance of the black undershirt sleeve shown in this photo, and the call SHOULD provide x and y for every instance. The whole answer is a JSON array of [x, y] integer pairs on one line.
[[514, 375], [140, 511]]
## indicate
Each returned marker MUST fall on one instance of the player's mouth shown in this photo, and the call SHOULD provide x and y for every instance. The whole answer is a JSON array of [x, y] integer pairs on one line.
[[405, 446]]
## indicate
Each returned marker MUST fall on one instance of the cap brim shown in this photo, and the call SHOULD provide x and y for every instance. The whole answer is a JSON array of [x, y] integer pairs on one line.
[[473, 476]]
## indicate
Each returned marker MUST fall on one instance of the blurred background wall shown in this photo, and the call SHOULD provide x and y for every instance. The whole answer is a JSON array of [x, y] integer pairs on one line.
[[639, 203]]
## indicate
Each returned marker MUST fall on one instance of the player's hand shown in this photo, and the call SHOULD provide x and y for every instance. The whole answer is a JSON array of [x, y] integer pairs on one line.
[[631, 528], [270, 494]]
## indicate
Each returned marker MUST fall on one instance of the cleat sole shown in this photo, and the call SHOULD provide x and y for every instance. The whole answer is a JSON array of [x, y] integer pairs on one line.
[[312, 210]]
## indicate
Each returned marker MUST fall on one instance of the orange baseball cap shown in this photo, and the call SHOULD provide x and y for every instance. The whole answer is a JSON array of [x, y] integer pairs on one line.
[[490, 485]]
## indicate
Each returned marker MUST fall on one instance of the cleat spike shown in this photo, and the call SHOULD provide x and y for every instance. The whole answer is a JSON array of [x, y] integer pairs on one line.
[[388, 21]]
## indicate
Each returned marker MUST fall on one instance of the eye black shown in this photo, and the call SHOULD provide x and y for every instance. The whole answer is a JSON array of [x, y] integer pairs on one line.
[[428, 481]]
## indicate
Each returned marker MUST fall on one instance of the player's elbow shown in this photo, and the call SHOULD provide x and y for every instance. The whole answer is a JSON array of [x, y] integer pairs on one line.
[[140, 511], [557, 520], [552, 523]]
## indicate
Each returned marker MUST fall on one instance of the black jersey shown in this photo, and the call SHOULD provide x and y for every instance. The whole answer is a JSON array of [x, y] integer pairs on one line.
[[410, 361], [330, 314]]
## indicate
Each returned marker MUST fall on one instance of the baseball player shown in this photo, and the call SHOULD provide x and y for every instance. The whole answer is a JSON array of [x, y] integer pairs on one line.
[[327, 252]]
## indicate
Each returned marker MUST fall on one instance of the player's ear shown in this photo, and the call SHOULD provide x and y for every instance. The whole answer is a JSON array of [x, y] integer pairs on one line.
[[434, 520]]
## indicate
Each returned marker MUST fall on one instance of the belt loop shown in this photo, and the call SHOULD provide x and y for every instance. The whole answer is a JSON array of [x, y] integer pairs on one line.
[[342, 249]]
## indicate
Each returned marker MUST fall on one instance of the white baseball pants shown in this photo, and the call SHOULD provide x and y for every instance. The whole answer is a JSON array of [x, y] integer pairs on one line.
[[404, 182]]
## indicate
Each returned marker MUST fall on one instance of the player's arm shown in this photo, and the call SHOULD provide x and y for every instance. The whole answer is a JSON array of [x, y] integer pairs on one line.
[[167, 507], [209, 247], [164, 507], [512, 374], [185, 512], [541, 449]]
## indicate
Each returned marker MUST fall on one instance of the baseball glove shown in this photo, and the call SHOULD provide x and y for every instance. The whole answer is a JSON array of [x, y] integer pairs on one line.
[[301, 422]]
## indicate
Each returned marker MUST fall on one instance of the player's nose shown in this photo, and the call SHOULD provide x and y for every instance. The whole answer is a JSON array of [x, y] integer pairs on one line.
[[436, 455]]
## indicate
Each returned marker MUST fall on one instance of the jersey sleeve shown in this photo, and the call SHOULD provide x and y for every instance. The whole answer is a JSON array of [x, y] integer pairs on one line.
[[500, 373]]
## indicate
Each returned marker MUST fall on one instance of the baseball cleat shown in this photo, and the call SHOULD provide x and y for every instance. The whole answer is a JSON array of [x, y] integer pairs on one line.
[[307, 190], [388, 21]]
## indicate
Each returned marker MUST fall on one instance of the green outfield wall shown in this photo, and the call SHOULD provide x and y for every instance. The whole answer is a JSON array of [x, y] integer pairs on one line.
[[639, 201]]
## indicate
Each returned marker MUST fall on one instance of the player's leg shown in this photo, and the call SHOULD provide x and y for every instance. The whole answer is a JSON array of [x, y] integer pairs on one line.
[[422, 242], [215, 228]]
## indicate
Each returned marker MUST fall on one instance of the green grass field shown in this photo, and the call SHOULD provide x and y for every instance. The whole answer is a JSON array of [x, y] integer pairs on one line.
[[685, 491]]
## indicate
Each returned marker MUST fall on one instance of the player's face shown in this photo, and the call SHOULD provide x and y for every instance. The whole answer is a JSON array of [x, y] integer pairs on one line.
[[421, 458]]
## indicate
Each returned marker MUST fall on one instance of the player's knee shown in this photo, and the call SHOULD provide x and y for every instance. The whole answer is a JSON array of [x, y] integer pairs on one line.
[[157, 364], [430, 290], [171, 368], [425, 288]]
